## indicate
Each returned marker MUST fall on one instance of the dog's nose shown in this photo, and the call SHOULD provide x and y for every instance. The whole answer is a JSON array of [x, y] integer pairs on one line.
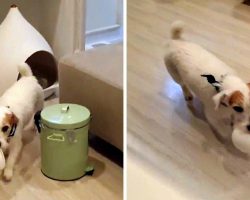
[[248, 127]]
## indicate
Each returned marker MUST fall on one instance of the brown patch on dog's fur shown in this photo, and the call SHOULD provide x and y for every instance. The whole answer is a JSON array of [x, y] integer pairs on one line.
[[236, 98], [248, 85], [10, 119]]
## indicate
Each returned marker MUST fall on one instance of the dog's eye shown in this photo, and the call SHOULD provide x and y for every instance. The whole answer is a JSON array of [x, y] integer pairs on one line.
[[5, 128], [238, 109]]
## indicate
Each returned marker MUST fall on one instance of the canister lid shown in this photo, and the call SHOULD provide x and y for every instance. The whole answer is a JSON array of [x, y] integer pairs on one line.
[[65, 116]]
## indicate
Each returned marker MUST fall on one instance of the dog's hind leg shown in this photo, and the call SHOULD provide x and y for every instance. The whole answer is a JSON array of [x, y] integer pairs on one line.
[[187, 93], [177, 78], [37, 114], [29, 132]]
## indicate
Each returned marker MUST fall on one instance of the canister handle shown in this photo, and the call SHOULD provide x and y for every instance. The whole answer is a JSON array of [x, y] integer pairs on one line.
[[71, 136], [56, 137], [65, 109]]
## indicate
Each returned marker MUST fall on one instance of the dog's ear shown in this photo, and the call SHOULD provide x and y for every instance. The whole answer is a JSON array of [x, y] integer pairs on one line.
[[248, 84], [232, 98], [11, 119], [236, 101]]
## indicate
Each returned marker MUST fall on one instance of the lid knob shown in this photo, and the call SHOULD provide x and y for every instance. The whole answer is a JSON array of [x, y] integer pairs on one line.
[[65, 109]]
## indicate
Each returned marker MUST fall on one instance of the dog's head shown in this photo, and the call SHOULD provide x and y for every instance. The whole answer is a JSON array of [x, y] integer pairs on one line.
[[234, 99], [239, 103], [8, 124]]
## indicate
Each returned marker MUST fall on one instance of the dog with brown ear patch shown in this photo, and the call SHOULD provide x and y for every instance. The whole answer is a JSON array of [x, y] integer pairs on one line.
[[9, 124], [234, 99], [18, 106], [225, 96]]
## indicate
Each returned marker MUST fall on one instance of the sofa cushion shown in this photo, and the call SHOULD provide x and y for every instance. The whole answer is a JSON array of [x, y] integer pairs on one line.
[[94, 79], [104, 63]]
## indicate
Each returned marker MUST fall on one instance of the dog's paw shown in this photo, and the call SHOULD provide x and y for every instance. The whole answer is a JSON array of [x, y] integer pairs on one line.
[[189, 98], [7, 174]]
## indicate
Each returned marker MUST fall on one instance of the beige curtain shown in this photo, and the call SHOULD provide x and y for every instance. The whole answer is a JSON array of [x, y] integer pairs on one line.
[[62, 23]]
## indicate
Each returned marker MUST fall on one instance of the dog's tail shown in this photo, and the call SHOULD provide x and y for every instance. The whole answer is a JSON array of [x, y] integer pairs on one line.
[[176, 30], [24, 69]]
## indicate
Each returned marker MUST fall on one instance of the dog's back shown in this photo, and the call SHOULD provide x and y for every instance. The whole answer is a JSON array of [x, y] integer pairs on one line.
[[25, 88], [24, 95], [186, 62]]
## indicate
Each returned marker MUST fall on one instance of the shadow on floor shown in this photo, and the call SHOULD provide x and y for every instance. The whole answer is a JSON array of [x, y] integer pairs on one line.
[[247, 2], [106, 149]]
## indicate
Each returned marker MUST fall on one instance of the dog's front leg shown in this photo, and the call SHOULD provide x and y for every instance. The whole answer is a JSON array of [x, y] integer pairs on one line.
[[14, 151], [223, 130]]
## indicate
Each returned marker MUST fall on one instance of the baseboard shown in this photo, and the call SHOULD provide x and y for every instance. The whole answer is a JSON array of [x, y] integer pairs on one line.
[[103, 29], [107, 35], [106, 149]]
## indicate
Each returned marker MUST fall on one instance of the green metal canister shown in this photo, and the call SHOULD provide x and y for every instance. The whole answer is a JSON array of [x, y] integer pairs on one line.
[[64, 141]]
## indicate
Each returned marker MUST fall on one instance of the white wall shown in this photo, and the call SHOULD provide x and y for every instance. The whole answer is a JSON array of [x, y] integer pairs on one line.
[[120, 11], [101, 14]]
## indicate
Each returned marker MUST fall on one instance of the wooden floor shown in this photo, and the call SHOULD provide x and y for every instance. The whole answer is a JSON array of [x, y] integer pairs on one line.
[[175, 148], [30, 184]]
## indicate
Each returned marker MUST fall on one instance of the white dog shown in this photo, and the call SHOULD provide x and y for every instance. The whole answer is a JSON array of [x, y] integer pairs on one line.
[[18, 106], [225, 96]]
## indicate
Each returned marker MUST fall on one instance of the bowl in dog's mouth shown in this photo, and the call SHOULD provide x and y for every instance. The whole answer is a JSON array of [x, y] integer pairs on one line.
[[241, 140]]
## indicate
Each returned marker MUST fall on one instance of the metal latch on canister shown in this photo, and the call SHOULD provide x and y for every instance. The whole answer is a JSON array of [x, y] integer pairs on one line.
[[71, 136]]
